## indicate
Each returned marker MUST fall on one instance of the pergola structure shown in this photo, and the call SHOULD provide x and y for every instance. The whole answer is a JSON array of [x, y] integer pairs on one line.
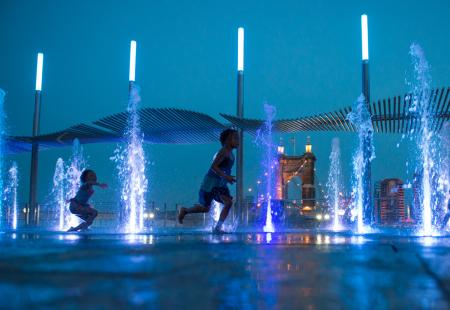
[[177, 126]]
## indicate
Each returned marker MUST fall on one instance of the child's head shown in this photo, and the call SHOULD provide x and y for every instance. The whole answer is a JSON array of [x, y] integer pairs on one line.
[[88, 176], [229, 137]]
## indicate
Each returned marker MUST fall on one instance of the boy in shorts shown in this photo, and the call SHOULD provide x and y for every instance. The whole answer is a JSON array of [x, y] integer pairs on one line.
[[214, 185]]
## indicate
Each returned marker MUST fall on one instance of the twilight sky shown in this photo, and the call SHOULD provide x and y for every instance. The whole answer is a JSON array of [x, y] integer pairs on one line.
[[304, 57]]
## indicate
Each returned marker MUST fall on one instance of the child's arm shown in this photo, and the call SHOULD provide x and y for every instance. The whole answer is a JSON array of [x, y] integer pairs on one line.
[[101, 185], [223, 153]]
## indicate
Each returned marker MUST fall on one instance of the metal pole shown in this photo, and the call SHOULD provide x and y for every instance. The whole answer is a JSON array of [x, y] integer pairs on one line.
[[34, 159], [240, 150], [130, 87], [365, 81], [367, 199]]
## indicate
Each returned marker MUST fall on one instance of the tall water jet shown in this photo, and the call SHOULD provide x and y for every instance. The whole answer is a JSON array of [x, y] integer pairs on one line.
[[10, 195], [444, 176], [75, 167], [364, 154], [334, 183], [2, 146], [130, 160], [59, 200], [270, 164], [428, 155]]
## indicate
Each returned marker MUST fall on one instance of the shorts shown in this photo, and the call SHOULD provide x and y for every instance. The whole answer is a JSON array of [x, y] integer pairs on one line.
[[205, 198], [83, 211]]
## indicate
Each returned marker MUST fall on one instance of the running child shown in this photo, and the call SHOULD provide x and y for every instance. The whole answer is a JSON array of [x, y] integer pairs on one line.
[[79, 204], [214, 185]]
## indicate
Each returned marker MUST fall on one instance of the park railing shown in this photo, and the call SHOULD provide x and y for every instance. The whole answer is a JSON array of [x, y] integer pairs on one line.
[[286, 214]]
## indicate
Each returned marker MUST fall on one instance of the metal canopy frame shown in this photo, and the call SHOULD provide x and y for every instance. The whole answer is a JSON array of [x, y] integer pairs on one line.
[[391, 115], [178, 126]]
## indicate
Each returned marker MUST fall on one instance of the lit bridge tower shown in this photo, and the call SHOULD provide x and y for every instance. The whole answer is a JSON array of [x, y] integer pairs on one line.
[[297, 166]]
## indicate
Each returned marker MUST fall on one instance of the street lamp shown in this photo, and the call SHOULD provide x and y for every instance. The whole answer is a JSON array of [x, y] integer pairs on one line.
[[132, 77], [32, 201], [240, 65], [39, 67], [364, 37], [240, 114], [367, 173]]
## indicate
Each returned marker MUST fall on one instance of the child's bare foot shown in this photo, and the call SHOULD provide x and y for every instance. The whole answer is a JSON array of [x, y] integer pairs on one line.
[[181, 214]]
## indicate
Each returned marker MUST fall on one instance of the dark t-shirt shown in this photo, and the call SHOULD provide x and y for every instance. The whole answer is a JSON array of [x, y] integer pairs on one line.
[[84, 193]]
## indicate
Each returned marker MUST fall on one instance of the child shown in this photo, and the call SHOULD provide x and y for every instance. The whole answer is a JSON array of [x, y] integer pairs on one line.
[[79, 204], [214, 185]]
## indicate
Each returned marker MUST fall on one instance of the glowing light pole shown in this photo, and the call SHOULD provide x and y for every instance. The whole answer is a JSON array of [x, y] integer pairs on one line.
[[365, 58], [33, 208], [367, 178], [132, 75], [240, 114]]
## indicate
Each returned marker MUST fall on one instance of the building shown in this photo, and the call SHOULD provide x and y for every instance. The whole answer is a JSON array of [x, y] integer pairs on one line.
[[389, 202]]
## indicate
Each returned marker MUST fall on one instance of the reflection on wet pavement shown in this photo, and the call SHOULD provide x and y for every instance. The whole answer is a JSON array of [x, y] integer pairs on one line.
[[243, 270]]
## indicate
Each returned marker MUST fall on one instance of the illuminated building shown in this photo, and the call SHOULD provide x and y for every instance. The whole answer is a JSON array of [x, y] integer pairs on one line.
[[389, 202], [297, 166]]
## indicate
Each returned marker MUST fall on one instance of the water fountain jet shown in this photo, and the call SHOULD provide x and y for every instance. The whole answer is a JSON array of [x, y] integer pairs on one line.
[[334, 186], [131, 164]]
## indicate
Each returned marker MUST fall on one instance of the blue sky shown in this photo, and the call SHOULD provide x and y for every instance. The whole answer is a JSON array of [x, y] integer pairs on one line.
[[304, 57]]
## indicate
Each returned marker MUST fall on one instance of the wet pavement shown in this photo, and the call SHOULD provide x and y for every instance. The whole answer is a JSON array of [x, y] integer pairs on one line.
[[198, 270]]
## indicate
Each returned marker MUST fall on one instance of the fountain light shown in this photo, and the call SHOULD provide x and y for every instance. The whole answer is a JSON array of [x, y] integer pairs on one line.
[[240, 49], [40, 64], [132, 61], [364, 37]]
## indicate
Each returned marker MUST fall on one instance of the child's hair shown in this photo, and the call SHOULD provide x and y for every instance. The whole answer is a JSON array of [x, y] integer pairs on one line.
[[225, 134], [84, 175]]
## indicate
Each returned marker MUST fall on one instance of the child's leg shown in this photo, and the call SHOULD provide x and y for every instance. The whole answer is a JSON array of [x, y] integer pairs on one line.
[[88, 214], [198, 208], [203, 206], [227, 203], [91, 215]]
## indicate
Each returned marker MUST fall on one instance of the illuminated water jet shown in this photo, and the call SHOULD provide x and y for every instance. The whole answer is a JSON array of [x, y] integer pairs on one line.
[[131, 162]]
